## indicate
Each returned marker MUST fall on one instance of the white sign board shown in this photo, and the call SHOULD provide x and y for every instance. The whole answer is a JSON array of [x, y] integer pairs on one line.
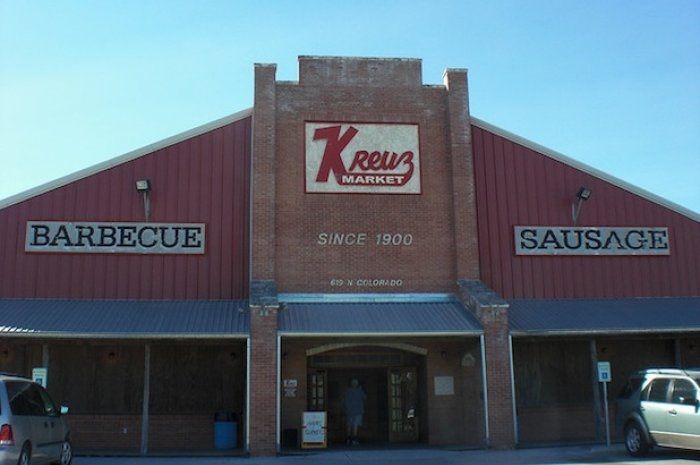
[[111, 237], [604, 373], [313, 430], [40, 375], [573, 240], [346, 158], [444, 385]]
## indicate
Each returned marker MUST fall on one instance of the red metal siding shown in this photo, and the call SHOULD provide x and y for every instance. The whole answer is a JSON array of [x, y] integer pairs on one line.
[[518, 186], [204, 179]]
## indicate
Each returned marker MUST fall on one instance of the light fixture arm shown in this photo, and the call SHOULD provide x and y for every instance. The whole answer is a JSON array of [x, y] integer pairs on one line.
[[576, 209], [147, 204], [583, 194]]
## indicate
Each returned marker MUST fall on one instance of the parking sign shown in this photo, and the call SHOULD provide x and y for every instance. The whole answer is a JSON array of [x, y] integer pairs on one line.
[[604, 375]]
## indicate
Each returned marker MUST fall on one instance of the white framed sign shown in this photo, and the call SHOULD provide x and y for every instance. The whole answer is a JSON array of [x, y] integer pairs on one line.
[[114, 237], [604, 373], [313, 430], [573, 240], [346, 158], [40, 376], [444, 385]]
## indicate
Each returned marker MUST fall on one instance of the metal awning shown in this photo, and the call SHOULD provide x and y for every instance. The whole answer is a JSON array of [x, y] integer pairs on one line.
[[124, 319], [604, 316], [376, 319]]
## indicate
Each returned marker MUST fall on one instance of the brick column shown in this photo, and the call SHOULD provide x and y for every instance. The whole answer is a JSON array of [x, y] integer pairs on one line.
[[263, 291], [263, 173], [492, 312], [463, 189], [263, 368]]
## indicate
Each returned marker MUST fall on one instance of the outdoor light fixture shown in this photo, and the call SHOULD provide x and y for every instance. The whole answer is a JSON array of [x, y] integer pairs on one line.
[[144, 187], [582, 195]]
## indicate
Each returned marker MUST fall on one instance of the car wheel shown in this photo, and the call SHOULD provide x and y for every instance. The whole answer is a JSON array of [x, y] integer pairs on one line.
[[24, 456], [66, 453], [635, 440]]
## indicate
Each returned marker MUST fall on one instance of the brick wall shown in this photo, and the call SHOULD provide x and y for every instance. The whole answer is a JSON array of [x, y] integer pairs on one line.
[[263, 381], [500, 393], [105, 432], [554, 424], [181, 432]]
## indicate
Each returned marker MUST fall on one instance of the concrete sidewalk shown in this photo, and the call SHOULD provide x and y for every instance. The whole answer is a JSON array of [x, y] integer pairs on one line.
[[541, 456]]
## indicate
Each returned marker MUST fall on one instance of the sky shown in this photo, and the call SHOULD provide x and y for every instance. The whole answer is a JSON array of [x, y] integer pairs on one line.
[[612, 84]]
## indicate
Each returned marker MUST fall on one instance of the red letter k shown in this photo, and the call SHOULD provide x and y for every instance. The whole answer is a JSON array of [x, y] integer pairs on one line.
[[334, 147]]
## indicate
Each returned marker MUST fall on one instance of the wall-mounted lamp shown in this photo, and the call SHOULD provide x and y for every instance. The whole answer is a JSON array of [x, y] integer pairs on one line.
[[582, 195], [144, 187]]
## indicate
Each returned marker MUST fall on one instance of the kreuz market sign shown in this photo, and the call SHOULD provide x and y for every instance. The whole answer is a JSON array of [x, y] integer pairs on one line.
[[140, 238], [346, 158], [571, 240]]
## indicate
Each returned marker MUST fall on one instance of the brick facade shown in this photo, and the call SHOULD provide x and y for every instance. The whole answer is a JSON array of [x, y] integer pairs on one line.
[[366, 91], [288, 220]]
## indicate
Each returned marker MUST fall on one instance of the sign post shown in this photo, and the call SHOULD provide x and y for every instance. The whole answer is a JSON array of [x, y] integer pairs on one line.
[[605, 376]]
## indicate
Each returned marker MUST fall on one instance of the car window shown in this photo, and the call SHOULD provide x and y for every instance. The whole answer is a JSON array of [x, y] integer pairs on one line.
[[49, 406], [24, 398], [683, 392], [658, 390]]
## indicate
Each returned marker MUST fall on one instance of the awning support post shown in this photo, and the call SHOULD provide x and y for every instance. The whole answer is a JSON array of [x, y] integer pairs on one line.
[[596, 391], [278, 405], [512, 387], [146, 398], [485, 390], [45, 356], [247, 395]]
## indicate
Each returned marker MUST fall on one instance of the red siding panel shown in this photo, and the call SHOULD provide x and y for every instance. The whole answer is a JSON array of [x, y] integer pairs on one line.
[[204, 179], [519, 186]]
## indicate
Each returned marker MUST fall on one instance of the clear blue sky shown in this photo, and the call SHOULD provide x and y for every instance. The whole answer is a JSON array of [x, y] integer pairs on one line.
[[614, 84]]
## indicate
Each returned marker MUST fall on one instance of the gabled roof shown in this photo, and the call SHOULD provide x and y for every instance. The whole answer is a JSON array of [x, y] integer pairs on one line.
[[60, 182], [134, 154], [586, 169]]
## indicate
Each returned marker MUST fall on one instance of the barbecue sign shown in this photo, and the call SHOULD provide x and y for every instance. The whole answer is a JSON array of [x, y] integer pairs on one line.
[[344, 158], [111, 237]]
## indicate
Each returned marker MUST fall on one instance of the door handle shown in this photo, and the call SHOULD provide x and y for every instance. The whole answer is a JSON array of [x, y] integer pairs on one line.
[[673, 412]]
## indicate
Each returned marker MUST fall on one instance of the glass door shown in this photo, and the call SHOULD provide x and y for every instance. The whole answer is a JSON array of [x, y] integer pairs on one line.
[[403, 404]]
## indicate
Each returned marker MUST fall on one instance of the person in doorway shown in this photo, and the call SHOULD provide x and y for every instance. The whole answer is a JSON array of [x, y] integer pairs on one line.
[[354, 407]]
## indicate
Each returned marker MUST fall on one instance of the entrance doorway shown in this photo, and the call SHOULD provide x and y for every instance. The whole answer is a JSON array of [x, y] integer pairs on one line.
[[393, 393]]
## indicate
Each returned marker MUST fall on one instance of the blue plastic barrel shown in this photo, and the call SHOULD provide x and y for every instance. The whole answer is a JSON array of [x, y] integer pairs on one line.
[[225, 434]]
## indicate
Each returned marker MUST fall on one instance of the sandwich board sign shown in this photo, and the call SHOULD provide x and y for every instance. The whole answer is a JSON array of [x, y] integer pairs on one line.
[[313, 430]]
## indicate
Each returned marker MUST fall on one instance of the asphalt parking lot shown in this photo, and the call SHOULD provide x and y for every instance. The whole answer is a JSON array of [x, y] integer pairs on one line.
[[615, 454]]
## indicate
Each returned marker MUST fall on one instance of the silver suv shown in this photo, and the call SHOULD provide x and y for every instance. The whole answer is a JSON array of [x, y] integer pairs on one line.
[[660, 407], [32, 430]]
